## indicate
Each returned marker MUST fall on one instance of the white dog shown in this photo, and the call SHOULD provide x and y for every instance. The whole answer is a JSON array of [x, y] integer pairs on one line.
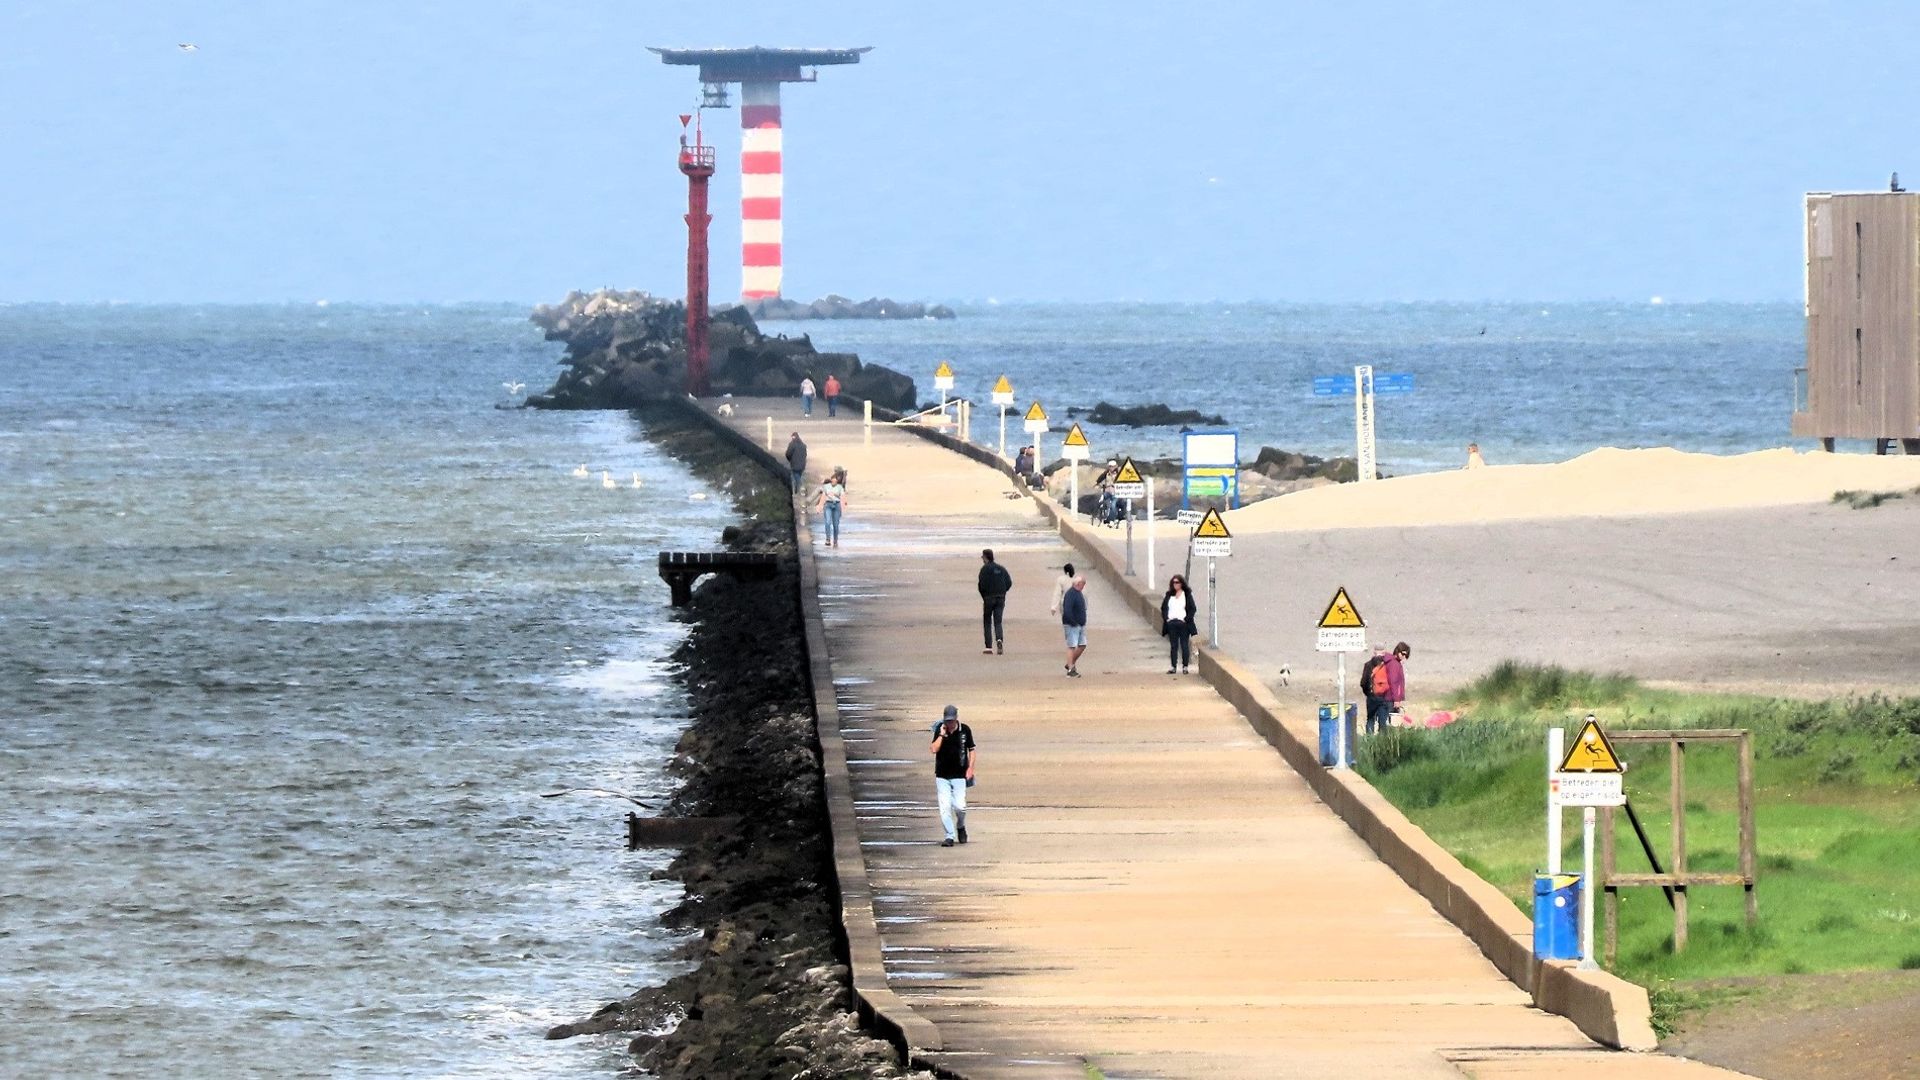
[[725, 409], [1286, 674]]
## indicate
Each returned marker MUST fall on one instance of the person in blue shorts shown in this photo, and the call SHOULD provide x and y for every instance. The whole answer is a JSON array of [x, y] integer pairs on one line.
[[1073, 619]]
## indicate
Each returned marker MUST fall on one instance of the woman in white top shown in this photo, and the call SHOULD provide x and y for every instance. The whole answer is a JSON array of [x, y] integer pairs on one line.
[[1176, 624], [806, 395], [833, 499], [1060, 586]]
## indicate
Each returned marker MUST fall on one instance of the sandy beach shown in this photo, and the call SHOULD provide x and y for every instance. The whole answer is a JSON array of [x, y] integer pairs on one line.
[[1686, 570]]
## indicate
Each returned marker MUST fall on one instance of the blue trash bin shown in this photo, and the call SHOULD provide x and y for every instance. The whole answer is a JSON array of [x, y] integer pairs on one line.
[[1328, 733], [1556, 916]]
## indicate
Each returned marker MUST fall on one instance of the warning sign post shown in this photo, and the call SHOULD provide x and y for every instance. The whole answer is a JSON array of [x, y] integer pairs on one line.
[[1036, 424], [1341, 630], [1128, 485], [1003, 397], [943, 382], [1075, 449], [1211, 538], [1588, 774]]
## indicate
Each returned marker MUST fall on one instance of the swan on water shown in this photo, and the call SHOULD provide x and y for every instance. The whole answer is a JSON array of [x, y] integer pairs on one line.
[[606, 479], [696, 495], [636, 480], [581, 472]]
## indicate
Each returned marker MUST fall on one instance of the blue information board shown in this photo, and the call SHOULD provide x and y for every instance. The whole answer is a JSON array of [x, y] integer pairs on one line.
[[1212, 467]]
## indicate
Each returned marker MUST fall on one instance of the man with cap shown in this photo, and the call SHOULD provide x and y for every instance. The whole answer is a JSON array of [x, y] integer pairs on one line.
[[953, 758]]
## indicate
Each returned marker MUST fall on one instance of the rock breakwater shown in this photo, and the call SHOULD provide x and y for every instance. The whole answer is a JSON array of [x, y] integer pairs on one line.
[[769, 993], [626, 348]]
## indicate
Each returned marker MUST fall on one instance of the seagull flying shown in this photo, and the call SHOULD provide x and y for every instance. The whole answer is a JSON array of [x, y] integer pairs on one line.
[[592, 791], [188, 46], [514, 387]]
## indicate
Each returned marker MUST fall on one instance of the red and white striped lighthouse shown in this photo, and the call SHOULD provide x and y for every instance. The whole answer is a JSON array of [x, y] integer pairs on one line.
[[759, 73], [760, 190]]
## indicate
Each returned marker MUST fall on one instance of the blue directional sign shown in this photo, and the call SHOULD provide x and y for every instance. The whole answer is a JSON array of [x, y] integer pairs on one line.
[[1342, 385]]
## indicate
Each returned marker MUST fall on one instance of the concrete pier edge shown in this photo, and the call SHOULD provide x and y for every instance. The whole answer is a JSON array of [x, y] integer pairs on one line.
[[879, 1008], [1606, 1008]]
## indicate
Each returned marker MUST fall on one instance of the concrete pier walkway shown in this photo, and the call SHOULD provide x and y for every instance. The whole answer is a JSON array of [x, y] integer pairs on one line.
[[1150, 890]]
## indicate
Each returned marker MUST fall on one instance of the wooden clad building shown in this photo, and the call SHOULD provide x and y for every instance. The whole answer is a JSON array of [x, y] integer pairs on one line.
[[1862, 379]]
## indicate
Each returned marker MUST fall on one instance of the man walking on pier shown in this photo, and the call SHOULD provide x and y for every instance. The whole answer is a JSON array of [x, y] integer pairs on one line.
[[832, 389], [994, 583], [1073, 618], [953, 757], [797, 461]]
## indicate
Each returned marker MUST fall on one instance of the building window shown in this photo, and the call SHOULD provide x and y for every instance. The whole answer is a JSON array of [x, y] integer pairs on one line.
[[1859, 263], [1859, 369]]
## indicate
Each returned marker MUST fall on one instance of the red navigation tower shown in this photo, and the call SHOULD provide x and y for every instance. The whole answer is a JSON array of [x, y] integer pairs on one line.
[[697, 162], [759, 72]]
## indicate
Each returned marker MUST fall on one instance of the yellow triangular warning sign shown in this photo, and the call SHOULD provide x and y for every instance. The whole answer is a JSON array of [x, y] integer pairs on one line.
[[1212, 525], [1035, 412], [1003, 386], [943, 371], [1591, 752], [1076, 437], [1128, 474], [1340, 613]]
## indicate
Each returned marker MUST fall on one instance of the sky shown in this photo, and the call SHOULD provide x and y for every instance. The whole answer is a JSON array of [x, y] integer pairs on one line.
[[1040, 150]]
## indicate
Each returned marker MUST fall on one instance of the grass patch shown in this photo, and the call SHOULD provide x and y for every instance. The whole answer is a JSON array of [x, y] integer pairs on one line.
[[1837, 786], [1867, 500]]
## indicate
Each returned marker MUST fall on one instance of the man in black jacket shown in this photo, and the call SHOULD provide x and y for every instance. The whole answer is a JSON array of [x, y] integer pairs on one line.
[[797, 462], [994, 583]]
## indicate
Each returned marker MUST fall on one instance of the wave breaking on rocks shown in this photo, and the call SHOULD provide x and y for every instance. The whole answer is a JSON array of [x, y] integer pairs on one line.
[[833, 306]]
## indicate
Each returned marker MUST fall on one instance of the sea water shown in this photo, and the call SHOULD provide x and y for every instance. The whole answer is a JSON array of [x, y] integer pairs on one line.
[[1527, 382], [295, 629], [296, 626]]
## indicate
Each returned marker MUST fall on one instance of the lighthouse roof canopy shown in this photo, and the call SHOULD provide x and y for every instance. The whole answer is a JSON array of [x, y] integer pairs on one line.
[[757, 63]]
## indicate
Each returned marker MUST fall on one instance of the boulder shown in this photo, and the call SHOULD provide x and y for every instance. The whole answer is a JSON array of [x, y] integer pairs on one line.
[[1155, 415], [1279, 464]]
